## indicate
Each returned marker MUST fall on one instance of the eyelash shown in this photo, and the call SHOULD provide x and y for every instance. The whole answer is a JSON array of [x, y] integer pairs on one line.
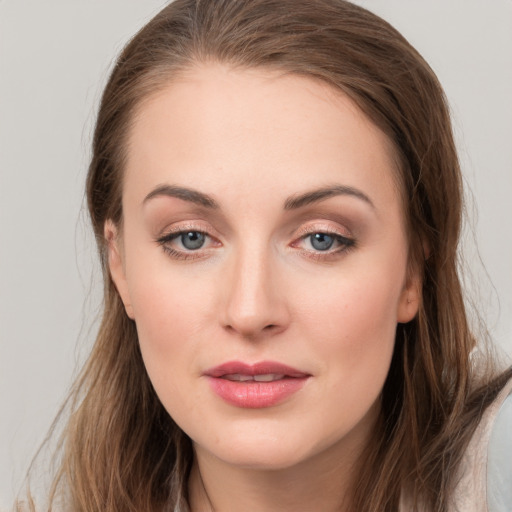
[[346, 244], [178, 254]]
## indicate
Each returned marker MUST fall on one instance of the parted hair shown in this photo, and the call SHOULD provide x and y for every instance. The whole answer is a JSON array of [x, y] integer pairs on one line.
[[120, 450]]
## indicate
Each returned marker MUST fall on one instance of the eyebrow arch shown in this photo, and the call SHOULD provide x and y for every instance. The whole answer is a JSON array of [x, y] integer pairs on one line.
[[321, 194], [186, 194]]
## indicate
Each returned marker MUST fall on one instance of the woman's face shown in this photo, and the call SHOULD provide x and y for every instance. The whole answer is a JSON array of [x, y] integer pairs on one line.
[[263, 257]]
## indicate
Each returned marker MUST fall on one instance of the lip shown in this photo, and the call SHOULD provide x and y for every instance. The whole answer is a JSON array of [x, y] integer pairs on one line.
[[252, 394]]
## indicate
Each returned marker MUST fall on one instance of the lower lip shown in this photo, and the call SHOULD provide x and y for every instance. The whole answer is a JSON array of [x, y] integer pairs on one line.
[[256, 395]]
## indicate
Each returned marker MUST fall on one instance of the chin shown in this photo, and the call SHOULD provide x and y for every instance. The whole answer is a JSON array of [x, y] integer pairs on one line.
[[262, 447], [273, 456]]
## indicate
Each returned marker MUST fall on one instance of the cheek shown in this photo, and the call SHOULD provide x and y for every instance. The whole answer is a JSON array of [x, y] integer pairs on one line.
[[168, 318], [170, 311], [352, 325], [353, 310]]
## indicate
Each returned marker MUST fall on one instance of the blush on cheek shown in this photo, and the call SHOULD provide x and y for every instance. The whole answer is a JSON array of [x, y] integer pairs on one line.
[[359, 332], [170, 317]]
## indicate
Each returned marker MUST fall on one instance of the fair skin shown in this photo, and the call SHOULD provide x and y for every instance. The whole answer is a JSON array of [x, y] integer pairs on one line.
[[317, 284]]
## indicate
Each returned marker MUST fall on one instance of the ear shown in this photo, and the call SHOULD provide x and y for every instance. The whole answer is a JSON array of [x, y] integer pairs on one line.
[[116, 265], [410, 297]]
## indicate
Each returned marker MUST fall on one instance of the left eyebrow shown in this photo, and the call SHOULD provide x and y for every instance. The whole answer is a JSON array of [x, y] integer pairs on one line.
[[322, 194]]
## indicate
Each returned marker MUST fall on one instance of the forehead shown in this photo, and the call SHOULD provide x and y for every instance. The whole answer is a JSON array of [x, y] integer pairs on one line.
[[249, 130]]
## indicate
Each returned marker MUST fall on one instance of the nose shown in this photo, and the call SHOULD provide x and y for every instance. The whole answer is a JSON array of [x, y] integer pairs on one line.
[[255, 303]]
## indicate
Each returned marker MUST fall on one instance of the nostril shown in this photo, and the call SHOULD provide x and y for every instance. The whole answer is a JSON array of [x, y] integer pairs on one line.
[[253, 333]]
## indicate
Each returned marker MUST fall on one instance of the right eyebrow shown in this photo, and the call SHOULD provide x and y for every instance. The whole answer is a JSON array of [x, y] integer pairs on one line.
[[183, 193]]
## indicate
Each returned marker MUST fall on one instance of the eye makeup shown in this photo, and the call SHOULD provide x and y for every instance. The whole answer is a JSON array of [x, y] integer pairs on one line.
[[314, 242], [189, 242], [325, 242], [318, 232]]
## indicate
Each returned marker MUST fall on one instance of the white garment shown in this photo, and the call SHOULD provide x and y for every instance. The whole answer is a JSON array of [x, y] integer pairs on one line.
[[499, 461], [486, 476]]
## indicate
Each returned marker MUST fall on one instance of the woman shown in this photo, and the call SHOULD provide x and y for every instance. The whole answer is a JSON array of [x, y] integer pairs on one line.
[[276, 197]]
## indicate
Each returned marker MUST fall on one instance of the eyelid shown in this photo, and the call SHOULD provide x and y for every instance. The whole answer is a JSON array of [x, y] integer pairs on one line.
[[321, 227], [185, 226], [173, 235]]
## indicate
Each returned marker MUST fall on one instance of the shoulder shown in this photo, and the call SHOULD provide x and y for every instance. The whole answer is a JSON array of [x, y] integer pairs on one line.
[[484, 482], [499, 458]]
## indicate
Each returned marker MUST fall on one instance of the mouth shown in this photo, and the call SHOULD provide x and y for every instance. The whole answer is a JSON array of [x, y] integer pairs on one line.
[[265, 377], [255, 386]]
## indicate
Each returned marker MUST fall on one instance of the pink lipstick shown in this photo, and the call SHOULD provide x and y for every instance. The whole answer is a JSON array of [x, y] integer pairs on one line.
[[255, 386]]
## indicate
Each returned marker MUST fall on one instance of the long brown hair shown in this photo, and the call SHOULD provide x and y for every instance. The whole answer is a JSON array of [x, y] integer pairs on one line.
[[121, 450]]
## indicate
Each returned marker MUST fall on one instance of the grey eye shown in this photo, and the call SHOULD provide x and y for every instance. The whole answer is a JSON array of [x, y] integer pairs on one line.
[[321, 241], [192, 240]]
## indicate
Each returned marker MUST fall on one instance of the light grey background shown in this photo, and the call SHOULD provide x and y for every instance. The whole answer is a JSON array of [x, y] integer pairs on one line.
[[54, 59]]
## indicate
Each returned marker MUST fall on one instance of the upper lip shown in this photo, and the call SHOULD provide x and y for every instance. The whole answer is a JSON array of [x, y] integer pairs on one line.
[[261, 368]]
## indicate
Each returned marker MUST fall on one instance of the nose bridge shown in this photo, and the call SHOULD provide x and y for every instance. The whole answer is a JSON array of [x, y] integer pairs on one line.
[[254, 304]]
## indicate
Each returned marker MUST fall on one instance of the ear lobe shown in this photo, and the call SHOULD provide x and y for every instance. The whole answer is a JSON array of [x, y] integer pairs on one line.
[[116, 265], [409, 302]]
